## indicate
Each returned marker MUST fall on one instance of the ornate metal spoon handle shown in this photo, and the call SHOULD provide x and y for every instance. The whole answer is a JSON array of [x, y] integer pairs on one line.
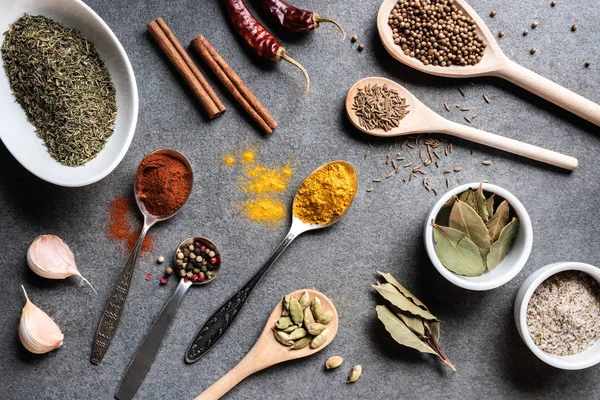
[[115, 304], [216, 325]]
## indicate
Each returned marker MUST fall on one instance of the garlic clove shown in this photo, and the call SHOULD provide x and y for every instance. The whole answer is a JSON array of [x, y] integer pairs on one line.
[[37, 331], [49, 257]]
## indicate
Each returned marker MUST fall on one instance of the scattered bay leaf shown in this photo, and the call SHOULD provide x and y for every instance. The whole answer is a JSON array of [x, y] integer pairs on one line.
[[400, 332], [481, 201], [469, 222], [498, 221], [457, 252], [502, 246], [391, 294], [390, 279]]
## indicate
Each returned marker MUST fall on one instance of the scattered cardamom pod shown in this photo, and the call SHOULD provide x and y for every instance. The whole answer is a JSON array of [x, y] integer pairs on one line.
[[334, 362], [320, 339], [315, 328], [354, 374], [302, 343], [283, 338], [325, 317], [283, 323], [298, 334], [304, 300], [296, 312], [315, 307]]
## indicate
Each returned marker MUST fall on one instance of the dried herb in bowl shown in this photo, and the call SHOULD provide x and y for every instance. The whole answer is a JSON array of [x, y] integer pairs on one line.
[[472, 234], [62, 84]]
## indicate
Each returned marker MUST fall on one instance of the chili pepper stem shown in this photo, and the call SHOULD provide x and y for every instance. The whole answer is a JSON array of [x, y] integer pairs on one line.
[[318, 19], [300, 67]]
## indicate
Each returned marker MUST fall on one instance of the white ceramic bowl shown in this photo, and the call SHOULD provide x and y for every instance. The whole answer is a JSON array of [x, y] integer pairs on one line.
[[509, 267], [586, 358], [19, 135]]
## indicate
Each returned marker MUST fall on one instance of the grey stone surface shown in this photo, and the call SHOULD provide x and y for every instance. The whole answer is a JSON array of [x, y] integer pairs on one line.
[[382, 231]]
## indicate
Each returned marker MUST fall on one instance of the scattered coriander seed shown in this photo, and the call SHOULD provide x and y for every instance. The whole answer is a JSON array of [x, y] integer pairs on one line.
[[168, 271], [493, 13], [553, 3], [574, 27], [354, 38], [501, 34], [525, 32], [534, 25], [533, 50], [361, 47], [587, 63]]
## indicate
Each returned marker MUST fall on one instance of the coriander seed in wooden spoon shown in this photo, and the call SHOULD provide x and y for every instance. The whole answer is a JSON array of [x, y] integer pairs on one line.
[[418, 118], [469, 58]]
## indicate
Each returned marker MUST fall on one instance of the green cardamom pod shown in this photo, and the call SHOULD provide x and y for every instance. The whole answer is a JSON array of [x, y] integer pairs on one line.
[[290, 329], [283, 323], [302, 343], [334, 362], [325, 317], [320, 339], [354, 374], [296, 312], [315, 307], [298, 334], [283, 338], [315, 328], [308, 317], [304, 300], [286, 302]]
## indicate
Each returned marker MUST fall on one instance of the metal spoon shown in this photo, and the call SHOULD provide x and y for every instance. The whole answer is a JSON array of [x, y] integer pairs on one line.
[[493, 63], [116, 302], [216, 325], [146, 353], [421, 119]]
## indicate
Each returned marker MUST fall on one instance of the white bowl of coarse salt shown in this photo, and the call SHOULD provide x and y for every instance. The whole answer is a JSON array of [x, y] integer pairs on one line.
[[557, 313]]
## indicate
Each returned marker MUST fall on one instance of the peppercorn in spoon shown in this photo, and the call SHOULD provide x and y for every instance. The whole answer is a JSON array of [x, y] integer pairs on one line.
[[336, 182], [447, 38], [158, 199], [421, 119], [197, 261]]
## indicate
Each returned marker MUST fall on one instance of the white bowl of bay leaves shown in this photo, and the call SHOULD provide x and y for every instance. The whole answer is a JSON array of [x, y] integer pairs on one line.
[[478, 236], [19, 135]]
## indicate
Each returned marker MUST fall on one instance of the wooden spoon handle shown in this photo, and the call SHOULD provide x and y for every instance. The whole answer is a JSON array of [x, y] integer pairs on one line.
[[551, 91], [510, 145], [245, 368]]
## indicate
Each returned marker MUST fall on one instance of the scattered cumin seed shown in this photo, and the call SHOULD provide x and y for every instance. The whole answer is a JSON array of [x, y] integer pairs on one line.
[[465, 109], [408, 164], [370, 145], [436, 164], [475, 115], [458, 168], [409, 146], [487, 162], [446, 107], [450, 147], [421, 172], [400, 158], [468, 119], [436, 154], [387, 159], [447, 181], [446, 152], [389, 175], [471, 83], [487, 100], [416, 169], [410, 177], [370, 189], [457, 106], [394, 164], [376, 180], [398, 169], [462, 92], [435, 191], [366, 153]]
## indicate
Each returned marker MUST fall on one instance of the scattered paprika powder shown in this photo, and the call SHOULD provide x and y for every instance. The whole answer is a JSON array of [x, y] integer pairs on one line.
[[163, 183], [121, 211]]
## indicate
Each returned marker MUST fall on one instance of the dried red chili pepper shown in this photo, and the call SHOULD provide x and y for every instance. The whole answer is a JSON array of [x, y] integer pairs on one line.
[[293, 18], [257, 37]]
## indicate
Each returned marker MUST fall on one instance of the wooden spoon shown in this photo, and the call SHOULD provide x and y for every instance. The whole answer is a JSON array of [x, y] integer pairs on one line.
[[421, 119], [267, 351], [493, 63]]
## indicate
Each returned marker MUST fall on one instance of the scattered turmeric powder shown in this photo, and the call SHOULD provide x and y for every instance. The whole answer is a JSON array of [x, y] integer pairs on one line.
[[264, 210], [265, 180], [229, 160], [326, 194], [248, 156]]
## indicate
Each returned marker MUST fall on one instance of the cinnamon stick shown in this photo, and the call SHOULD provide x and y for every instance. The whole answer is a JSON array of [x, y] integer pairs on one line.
[[234, 84], [190, 79], [171, 36]]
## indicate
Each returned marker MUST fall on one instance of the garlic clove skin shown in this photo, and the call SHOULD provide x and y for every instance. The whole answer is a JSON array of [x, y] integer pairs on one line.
[[37, 331], [49, 257]]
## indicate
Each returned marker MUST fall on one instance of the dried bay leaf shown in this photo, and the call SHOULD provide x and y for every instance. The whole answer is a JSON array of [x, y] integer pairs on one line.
[[400, 332], [457, 252], [502, 246], [490, 205], [468, 197], [481, 201], [390, 279], [443, 215], [469, 222], [391, 294], [434, 328], [498, 221], [414, 323]]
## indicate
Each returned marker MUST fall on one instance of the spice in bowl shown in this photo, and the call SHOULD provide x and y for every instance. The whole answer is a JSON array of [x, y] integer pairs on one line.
[[563, 314], [197, 260], [62, 84], [378, 107], [436, 32], [163, 183], [473, 233]]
